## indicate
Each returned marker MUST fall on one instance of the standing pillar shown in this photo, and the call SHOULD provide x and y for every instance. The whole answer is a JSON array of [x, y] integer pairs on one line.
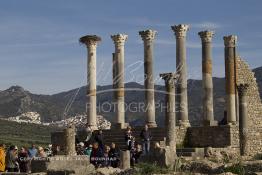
[[230, 44], [148, 37], [170, 108], [91, 42], [181, 69], [69, 134], [119, 41], [243, 118], [207, 82]]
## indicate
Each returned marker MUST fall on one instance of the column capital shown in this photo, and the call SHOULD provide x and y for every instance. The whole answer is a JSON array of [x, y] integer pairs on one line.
[[180, 30], [242, 89], [230, 41], [90, 40], [206, 36], [148, 35], [119, 39], [169, 77]]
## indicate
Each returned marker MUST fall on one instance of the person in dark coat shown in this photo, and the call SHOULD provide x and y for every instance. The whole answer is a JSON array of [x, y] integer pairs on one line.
[[128, 135], [96, 155], [99, 138], [23, 160], [114, 155], [146, 137], [11, 159], [106, 157]]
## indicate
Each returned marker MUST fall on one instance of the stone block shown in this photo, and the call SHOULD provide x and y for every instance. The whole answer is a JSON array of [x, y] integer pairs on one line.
[[70, 164]]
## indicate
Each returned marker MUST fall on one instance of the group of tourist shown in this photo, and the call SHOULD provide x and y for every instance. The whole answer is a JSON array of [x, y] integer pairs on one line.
[[102, 155], [14, 160]]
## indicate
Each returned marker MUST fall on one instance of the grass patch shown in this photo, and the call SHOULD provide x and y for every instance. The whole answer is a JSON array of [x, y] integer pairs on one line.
[[236, 169], [147, 169], [24, 134]]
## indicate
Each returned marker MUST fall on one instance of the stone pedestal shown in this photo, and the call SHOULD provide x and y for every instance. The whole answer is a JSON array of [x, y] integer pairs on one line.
[[207, 82], [243, 119], [181, 70], [148, 37], [91, 42], [230, 76], [119, 41], [125, 159]]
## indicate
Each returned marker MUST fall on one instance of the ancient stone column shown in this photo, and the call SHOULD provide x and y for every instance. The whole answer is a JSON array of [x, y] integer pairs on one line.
[[181, 70], [148, 37], [69, 134], [170, 108], [243, 118], [119, 41], [230, 44], [114, 76], [207, 82], [91, 42]]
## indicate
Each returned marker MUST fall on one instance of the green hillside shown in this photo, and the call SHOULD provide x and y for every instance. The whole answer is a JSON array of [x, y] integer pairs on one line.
[[24, 134]]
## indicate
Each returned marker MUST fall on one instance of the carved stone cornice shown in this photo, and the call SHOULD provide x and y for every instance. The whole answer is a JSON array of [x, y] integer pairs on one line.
[[230, 41], [206, 36], [242, 89], [148, 35], [119, 39], [90, 41], [180, 30]]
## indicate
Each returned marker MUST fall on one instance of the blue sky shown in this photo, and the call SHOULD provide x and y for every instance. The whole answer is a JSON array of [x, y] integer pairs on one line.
[[39, 47]]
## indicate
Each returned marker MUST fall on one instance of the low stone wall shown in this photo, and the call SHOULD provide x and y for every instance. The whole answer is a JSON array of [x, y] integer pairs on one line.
[[209, 136]]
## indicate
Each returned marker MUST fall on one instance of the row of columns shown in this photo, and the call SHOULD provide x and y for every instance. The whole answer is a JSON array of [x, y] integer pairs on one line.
[[148, 37]]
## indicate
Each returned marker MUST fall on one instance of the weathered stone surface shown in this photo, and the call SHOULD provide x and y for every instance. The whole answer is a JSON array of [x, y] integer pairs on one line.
[[77, 164], [107, 171], [254, 107], [125, 160]]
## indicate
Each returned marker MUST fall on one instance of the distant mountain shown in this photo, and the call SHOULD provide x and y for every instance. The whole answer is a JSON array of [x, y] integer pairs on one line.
[[15, 101]]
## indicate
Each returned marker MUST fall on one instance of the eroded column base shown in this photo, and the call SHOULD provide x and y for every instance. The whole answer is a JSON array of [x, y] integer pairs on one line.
[[184, 123], [210, 123], [93, 127], [119, 125], [151, 124]]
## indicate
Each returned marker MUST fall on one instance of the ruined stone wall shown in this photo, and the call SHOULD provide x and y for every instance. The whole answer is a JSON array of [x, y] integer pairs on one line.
[[209, 136], [245, 75]]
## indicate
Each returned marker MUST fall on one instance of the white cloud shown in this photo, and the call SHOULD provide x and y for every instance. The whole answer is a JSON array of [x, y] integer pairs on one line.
[[189, 44], [206, 25]]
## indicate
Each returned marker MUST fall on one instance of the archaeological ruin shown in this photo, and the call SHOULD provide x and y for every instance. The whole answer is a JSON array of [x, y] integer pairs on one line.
[[242, 131]]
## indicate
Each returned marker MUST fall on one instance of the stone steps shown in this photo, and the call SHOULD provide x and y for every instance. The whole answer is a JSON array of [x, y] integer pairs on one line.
[[158, 134]]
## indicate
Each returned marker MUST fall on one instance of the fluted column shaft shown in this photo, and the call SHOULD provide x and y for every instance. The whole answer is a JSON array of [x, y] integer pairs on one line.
[[181, 68], [114, 76], [230, 44], [207, 82], [148, 38], [91, 42], [170, 108], [119, 41], [243, 118]]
